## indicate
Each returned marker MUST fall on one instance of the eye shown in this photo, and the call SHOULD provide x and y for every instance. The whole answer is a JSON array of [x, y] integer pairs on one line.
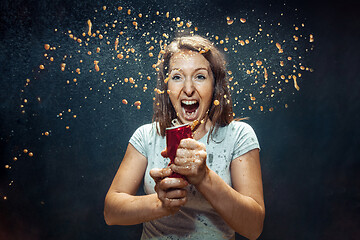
[[201, 77], [176, 77]]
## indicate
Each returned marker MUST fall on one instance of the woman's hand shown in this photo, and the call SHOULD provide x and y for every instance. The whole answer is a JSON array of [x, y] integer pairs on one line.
[[190, 160], [170, 191]]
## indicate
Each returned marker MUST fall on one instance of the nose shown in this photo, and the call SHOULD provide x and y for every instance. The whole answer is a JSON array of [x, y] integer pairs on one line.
[[189, 88]]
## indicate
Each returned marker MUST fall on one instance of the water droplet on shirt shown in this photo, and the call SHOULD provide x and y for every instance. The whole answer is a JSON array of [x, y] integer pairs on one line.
[[210, 158]]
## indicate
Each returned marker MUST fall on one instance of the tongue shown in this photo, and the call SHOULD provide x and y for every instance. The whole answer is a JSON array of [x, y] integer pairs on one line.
[[190, 108]]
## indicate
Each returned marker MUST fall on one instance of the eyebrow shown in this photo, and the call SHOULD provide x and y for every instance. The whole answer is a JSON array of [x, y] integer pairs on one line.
[[197, 69]]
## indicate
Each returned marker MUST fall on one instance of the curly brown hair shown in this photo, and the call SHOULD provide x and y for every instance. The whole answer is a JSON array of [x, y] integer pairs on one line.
[[221, 114]]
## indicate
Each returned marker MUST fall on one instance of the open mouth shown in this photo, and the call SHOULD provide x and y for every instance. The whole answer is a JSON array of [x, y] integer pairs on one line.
[[190, 109]]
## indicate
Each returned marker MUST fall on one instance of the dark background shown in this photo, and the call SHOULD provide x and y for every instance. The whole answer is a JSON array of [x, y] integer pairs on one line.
[[309, 151]]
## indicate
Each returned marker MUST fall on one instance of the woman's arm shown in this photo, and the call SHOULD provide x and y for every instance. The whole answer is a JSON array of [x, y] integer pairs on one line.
[[122, 207], [242, 207]]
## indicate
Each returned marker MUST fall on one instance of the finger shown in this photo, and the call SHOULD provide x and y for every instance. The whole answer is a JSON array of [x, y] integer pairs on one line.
[[184, 152], [176, 194], [174, 202], [164, 153], [200, 155], [160, 173], [173, 199], [194, 157], [184, 161], [187, 170], [190, 143], [169, 183]]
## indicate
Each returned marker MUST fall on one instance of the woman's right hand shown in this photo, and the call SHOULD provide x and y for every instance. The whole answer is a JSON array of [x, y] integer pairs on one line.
[[171, 191]]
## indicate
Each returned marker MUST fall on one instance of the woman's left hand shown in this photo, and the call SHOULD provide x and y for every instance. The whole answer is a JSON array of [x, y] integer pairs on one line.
[[190, 160]]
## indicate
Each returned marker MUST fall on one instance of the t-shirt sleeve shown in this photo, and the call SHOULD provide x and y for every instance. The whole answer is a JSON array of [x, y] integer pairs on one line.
[[245, 139], [139, 138]]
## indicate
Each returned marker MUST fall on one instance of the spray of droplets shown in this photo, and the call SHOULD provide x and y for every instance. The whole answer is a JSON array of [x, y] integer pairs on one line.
[[116, 53]]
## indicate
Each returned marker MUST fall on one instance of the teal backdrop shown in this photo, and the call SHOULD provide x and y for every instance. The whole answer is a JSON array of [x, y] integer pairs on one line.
[[77, 131]]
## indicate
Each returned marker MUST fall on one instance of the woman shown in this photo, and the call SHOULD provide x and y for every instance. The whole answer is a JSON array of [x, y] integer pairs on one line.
[[221, 191]]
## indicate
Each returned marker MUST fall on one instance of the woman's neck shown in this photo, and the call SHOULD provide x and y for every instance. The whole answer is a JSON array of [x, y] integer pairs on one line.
[[202, 130]]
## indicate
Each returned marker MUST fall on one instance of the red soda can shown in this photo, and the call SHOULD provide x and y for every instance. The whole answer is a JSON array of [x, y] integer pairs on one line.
[[173, 138]]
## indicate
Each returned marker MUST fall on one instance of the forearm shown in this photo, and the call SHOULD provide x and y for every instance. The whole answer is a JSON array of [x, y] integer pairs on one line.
[[126, 209], [241, 212]]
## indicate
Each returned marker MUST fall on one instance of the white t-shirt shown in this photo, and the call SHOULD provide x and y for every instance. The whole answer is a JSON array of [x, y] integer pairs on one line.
[[197, 219]]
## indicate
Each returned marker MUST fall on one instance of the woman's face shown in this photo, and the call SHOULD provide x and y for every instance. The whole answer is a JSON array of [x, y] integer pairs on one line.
[[191, 85]]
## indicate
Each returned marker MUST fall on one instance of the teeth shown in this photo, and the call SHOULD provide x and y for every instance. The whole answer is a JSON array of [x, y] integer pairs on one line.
[[188, 102]]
